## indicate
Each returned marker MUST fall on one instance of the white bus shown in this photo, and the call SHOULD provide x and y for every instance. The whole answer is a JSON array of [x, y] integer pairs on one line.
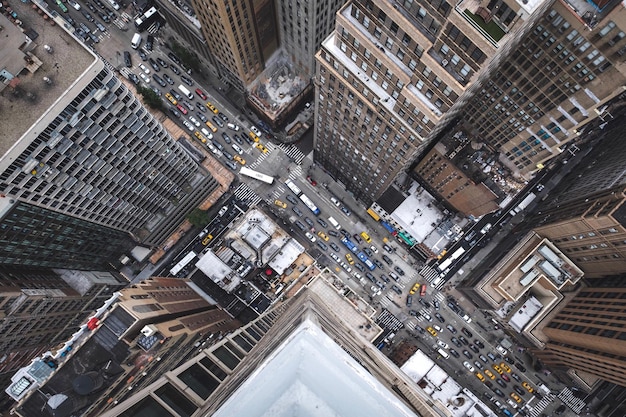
[[256, 175], [186, 92], [183, 263]]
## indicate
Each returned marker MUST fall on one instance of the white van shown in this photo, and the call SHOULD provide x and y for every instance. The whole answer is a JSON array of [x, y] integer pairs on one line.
[[186, 92], [334, 222], [136, 41], [443, 353]]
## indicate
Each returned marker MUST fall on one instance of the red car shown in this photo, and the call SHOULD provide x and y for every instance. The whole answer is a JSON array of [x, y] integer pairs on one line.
[[423, 290], [181, 108], [311, 180], [201, 94], [505, 377]]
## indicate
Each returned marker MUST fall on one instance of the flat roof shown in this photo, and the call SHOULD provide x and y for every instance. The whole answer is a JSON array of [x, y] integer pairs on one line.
[[21, 108]]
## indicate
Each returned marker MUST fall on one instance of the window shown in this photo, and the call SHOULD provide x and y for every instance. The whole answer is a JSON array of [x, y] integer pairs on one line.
[[609, 26]]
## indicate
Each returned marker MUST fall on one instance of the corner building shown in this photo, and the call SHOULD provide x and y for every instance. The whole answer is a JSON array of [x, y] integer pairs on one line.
[[388, 81]]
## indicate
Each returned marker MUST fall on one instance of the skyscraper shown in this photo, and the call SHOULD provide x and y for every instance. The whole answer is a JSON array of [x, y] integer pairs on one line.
[[77, 141]]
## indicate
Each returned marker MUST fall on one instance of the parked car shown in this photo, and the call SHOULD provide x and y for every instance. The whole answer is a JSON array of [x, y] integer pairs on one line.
[[127, 60]]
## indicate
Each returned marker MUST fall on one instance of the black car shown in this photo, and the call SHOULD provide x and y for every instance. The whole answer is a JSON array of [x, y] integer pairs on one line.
[[217, 121], [378, 263], [175, 112], [149, 42], [333, 233], [370, 276], [488, 383], [454, 353], [105, 17], [335, 247], [322, 245], [560, 410], [368, 252], [309, 222], [479, 343], [463, 340], [87, 16], [519, 390], [173, 57], [300, 225], [498, 392], [175, 69], [483, 358], [162, 63], [170, 81], [238, 139], [187, 81], [297, 211], [516, 377], [456, 342], [142, 55], [133, 78], [397, 289], [520, 367], [413, 313], [90, 6], [424, 302], [291, 199], [221, 148], [202, 117], [500, 382], [436, 304], [127, 60], [384, 278], [451, 328], [175, 94], [398, 270], [474, 348], [387, 260], [154, 65], [322, 223], [467, 354], [345, 233], [223, 116], [159, 80], [440, 317], [509, 360], [201, 107], [467, 332], [227, 138]]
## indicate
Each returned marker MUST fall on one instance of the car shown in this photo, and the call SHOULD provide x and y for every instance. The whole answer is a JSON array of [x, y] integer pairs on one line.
[[175, 69], [483, 358], [310, 237], [300, 225], [456, 342], [374, 249], [399, 270], [233, 126], [144, 68], [378, 263], [516, 397], [297, 211], [335, 257], [388, 248], [173, 57], [385, 278], [497, 368], [217, 121], [516, 377], [501, 350], [142, 55], [161, 82], [334, 246], [489, 373], [346, 211], [439, 329], [366, 237], [237, 149], [426, 316], [467, 354], [468, 366], [451, 328], [520, 367], [175, 112], [505, 367], [182, 109], [87, 16], [394, 276], [292, 199], [491, 356], [309, 222], [218, 145], [100, 26], [431, 331], [260, 147], [498, 392], [480, 376], [454, 353], [149, 43], [186, 80], [357, 265], [239, 159], [500, 382], [188, 125], [133, 77], [477, 364], [423, 290], [323, 236], [423, 302], [396, 289], [415, 288], [256, 131], [463, 340], [466, 332], [94, 38], [442, 344], [322, 223], [144, 77], [528, 387], [368, 252], [238, 139], [171, 99], [202, 117], [168, 79], [127, 61], [200, 107], [280, 204], [345, 233], [387, 260], [440, 317], [154, 65], [357, 238], [489, 384], [175, 94], [509, 360], [559, 410], [370, 276], [349, 257], [505, 377], [222, 116], [74, 4], [479, 343], [322, 245]]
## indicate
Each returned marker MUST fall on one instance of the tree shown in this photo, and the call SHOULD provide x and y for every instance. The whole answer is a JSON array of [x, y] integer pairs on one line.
[[151, 98], [198, 217], [190, 59]]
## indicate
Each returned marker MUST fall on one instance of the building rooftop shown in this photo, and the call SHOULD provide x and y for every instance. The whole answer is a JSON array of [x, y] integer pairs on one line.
[[31, 97], [418, 214]]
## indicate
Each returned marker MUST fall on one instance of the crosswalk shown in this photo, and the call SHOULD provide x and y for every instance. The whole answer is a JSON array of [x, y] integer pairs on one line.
[[541, 405], [570, 400], [295, 154], [270, 147], [246, 194], [429, 273]]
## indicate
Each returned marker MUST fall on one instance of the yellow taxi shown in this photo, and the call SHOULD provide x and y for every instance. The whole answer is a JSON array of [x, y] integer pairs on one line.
[[480, 376], [323, 236], [498, 369], [171, 98], [505, 367], [431, 331], [210, 126], [260, 146], [516, 397], [253, 136], [239, 159], [415, 288], [207, 239], [528, 387], [212, 107], [279, 203], [200, 136], [349, 259], [489, 374], [366, 237]]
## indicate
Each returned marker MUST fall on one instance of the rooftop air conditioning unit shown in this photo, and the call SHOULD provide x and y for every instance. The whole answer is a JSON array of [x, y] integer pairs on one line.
[[148, 330], [444, 62]]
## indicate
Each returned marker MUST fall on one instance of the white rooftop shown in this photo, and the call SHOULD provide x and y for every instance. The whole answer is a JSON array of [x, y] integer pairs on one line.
[[218, 271], [287, 255], [309, 375], [415, 215], [525, 314]]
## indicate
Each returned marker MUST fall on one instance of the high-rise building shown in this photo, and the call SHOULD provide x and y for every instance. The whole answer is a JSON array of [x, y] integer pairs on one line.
[[241, 36], [76, 141], [41, 308], [312, 354], [524, 79], [129, 342]]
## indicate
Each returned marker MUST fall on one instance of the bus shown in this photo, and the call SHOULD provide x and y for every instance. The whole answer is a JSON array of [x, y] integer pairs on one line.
[[61, 6], [145, 20], [307, 202], [293, 187], [455, 255], [183, 263], [370, 265], [348, 244], [256, 175]]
